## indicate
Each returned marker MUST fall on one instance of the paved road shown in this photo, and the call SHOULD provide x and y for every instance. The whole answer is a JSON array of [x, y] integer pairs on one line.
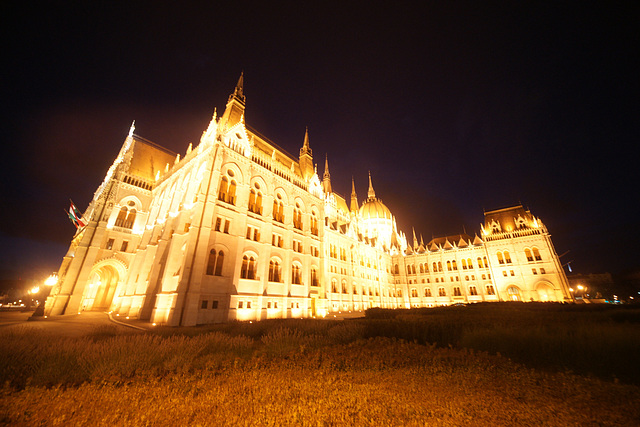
[[69, 325]]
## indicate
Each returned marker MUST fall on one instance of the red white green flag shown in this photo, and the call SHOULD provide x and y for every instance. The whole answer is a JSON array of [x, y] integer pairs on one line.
[[75, 216]]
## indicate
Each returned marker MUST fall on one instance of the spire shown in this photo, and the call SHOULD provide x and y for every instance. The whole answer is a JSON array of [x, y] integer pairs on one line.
[[306, 157], [415, 239], [239, 91], [354, 197], [132, 128], [371, 194], [326, 179], [234, 111]]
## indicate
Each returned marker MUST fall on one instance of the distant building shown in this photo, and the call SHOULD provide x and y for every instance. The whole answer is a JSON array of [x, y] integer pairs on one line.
[[237, 228]]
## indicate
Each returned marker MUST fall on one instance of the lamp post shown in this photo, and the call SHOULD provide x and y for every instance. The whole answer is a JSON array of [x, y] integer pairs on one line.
[[49, 283]]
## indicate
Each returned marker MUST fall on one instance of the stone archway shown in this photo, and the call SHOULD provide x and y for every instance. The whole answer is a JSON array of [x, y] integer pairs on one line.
[[546, 292], [102, 284]]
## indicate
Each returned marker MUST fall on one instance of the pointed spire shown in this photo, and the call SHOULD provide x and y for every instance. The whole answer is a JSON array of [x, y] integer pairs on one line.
[[132, 128], [415, 239], [371, 194], [239, 91], [326, 179], [354, 197]]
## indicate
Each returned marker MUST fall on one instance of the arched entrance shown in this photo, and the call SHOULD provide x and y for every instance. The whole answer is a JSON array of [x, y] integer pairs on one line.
[[102, 284], [546, 292], [514, 293]]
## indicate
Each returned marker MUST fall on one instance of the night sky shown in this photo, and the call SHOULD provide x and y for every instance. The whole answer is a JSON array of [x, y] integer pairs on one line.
[[454, 109]]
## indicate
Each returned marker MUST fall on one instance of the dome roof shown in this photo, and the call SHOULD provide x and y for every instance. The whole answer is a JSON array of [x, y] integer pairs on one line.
[[374, 209]]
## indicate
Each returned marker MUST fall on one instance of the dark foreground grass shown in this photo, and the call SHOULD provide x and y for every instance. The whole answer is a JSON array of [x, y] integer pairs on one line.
[[312, 372]]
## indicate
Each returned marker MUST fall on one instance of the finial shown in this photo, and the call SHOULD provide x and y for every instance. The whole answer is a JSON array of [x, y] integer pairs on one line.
[[132, 128]]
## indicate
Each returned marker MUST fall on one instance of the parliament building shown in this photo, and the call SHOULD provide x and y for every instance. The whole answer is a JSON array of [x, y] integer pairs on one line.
[[238, 229]]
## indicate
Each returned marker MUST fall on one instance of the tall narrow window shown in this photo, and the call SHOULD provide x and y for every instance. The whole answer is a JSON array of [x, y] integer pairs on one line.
[[251, 273], [314, 277], [131, 219], [224, 187], [245, 267], [252, 200], [469, 264], [211, 262], [455, 265], [439, 266], [232, 193], [258, 205], [219, 262], [122, 217], [500, 259], [507, 257]]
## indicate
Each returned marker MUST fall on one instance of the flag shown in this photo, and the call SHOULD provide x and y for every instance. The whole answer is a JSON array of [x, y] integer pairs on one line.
[[75, 216]]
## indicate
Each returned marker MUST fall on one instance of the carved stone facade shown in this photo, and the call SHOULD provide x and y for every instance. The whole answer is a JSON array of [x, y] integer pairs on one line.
[[240, 229]]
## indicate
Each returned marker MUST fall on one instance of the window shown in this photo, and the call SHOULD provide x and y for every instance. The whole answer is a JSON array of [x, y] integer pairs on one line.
[[469, 264], [314, 277], [439, 266], [527, 253], [214, 263], [334, 286], [514, 293], [277, 240], [204, 304], [512, 273], [536, 254], [295, 274], [227, 191], [542, 271], [455, 266], [248, 304], [214, 304], [421, 268], [472, 290], [248, 269], [534, 271], [507, 257], [500, 258], [484, 260], [314, 224], [490, 290], [448, 265], [274, 271], [218, 223], [464, 264], [435, 267], [344, 287], [110, 244], [278, 209], [504, 273], [479, 262], [427, 292], [457, 292], [124, 246], [255, 201], [414, 293], [442, 292], [297, 217], [240, 304], [408, 269], [253, 234], [297, 246]]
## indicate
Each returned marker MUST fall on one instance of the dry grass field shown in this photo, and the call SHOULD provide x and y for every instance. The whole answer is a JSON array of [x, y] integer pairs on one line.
[[382, 370]]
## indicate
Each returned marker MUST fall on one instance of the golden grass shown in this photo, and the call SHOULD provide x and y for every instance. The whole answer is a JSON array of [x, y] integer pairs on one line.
[[313, 372]]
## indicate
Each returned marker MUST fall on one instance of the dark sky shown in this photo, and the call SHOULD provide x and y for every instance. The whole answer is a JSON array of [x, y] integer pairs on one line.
[[453, 108]]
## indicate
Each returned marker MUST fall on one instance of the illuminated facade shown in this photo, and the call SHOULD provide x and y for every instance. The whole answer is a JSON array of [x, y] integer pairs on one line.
[[240, 229]]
